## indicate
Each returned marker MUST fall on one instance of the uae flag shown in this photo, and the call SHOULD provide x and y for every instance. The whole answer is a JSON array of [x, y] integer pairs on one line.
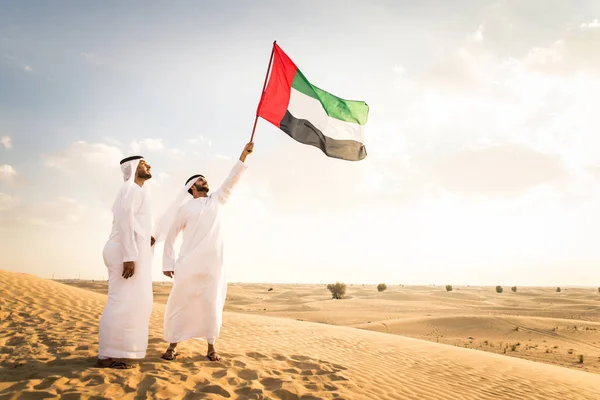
[[311, 115]]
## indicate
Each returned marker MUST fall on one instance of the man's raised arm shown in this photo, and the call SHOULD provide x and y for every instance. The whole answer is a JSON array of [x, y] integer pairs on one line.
[[226, 189]]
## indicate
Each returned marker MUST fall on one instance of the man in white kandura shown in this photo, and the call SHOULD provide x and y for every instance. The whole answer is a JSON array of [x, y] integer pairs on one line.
[[123, 332], [195, 304]]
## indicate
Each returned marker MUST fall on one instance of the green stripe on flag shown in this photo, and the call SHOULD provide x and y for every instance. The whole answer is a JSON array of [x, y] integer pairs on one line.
[[345, 110]]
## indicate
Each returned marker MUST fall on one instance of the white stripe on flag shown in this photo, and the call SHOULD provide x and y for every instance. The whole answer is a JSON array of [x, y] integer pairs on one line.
[[305, 107]]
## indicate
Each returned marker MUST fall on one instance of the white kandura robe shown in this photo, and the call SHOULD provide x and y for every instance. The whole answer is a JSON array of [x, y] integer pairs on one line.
[[124, 323], [195, 304]]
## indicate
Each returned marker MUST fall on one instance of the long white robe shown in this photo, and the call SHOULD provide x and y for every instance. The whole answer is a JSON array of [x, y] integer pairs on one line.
[[195, 304], [124, 324]]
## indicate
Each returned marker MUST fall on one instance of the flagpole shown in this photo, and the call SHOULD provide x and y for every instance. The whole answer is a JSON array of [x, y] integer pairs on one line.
[[263, 90]]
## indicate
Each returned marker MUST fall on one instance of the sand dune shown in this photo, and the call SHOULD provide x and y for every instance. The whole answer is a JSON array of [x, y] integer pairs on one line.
[[49, 341], [537, 324]]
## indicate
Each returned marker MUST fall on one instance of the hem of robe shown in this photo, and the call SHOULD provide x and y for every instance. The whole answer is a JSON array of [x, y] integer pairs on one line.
[[194, 336], [122, 354]]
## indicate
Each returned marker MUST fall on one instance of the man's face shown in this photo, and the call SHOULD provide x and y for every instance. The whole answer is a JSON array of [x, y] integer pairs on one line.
[[143, 170], [201, 185]]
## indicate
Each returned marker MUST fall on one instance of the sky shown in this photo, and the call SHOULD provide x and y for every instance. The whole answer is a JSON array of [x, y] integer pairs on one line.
[[483, 163]]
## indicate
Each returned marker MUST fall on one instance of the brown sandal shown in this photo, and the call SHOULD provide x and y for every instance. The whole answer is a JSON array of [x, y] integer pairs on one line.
[[116, 365], [169, 355]]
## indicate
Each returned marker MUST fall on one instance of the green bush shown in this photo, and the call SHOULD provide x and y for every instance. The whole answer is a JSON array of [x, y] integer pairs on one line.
[[514, 289], [448, 288], [381, 287], [499, 289], [558, 289], [338, 290]]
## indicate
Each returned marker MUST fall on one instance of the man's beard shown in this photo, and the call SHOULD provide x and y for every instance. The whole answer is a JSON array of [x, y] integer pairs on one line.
[[201, 188], [144, 175]]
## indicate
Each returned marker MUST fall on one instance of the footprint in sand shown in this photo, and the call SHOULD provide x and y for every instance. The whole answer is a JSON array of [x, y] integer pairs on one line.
[[300, 358], [215, 389], [271, 383], [219, 374], [47, 383], [248, 374], [256, 356], [315, 375], [250, 393]]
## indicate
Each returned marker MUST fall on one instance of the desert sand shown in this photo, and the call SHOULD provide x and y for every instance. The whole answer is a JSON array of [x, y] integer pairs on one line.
[[48, 342]]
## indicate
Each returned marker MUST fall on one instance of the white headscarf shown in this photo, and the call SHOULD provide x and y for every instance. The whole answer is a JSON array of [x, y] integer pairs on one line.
[[166, 220], [129, 167]]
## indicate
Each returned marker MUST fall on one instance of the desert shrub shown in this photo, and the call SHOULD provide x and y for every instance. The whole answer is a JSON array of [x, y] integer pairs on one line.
[[599, 290], [381, 287], [514, 289], [558, 290], [270, 289], [338, 290], [581, 359], [448, 288], [499, 289]]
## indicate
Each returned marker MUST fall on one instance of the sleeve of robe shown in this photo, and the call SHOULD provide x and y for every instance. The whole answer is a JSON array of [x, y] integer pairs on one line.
[[229, 184], [125, 224], [169, 248]]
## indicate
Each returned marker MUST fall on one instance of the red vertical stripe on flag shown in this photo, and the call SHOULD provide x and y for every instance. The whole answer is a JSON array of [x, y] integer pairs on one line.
[[274, 101]]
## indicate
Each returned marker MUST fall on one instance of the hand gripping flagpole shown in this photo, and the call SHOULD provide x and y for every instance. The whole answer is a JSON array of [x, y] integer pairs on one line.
[[263, 90]]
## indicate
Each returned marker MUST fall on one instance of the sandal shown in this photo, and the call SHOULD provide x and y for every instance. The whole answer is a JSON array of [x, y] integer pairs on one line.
[[169, 355], [213, 356], [117, 365]]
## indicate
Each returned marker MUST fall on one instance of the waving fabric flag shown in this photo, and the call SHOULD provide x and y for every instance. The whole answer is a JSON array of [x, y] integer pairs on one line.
[[311, 115]]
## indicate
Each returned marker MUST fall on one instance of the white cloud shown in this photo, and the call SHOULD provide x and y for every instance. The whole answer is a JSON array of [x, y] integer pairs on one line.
[[81, 154], [595, 24], [27, 68], [6, 142], [112, 141], [477, 36], [7, 174], [60, 212], [508, 170], [148, 144], [544, 100]]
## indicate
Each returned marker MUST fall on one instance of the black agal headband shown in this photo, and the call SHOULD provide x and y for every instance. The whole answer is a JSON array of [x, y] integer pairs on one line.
[[193, 177], [130, 159]]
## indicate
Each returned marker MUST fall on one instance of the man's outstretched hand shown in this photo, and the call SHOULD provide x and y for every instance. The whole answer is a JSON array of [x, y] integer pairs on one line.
[[247, 150]]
